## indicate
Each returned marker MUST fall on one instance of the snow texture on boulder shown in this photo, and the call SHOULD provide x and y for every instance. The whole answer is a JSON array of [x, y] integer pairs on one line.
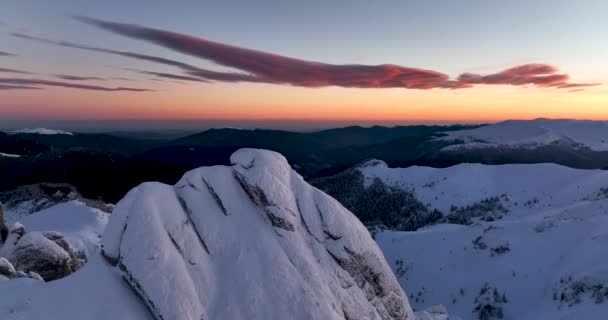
[[42, 255], [6, 268], [250, 241], [36, 253]]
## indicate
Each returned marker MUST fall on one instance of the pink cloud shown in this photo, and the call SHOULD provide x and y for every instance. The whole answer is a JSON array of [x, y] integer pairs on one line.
[[541, 75]]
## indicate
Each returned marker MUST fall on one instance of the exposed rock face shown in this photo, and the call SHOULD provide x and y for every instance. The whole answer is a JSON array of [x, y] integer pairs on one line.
[[251, 241]]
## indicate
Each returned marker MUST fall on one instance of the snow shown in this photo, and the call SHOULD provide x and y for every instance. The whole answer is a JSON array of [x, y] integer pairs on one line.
[[438, 312], [8, 155], [555, 231], [532, 134], [96, 291], [44, 131], [250, 241]]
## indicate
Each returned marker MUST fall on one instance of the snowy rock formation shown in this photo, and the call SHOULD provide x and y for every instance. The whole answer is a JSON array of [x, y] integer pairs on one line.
[[250, 241], [44, 256]]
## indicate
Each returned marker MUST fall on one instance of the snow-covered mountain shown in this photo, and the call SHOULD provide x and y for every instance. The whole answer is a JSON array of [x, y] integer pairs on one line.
[[44, 131], [535, 248], [248, 241], [9, 155], [531, 134]]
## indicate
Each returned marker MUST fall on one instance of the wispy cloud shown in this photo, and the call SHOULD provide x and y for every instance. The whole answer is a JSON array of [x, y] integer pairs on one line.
[[541, 75], [48, 83], [168, 75], [7, 54], [194, 72], [88, 78], [17, 87], [8, 70], [78, 78], [264, 67], [259, 66]]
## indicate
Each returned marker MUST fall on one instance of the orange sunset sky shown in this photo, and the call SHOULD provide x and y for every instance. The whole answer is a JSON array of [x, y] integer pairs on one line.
[[411, 62]]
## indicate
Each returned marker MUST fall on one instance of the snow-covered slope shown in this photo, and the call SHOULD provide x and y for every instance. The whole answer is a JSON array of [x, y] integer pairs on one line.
[[9, 155], [250, 241], [95, 292], [532, 134], [544, 258], [43, 131]]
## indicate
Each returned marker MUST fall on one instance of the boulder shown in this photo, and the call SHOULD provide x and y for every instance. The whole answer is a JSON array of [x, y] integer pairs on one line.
[[6, 268], [36, 253]]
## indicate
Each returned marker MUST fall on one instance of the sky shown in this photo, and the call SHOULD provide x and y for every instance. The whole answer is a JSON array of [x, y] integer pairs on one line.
[[304, 62]]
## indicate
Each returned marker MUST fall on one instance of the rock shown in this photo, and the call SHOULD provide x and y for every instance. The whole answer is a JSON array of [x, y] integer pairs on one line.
[[15, 233], [249, 241], [3, 228], [6, 268], [35, 276], [34, 252], [21, 274], [44, 195], [18, 229]]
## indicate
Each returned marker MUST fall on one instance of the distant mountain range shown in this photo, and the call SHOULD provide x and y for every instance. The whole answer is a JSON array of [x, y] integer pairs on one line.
[[93, 161], [86, 160]]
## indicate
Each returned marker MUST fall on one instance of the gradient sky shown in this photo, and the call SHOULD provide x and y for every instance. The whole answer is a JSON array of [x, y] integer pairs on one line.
[[444, 61]]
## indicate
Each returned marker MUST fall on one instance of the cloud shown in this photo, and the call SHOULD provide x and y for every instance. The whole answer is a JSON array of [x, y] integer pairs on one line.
[[7, 70], [189, 69], [264, 67], [39, 82], [168, 75], [541, 75], [17, 87], [87, 78], [7, 54], [77, 78], [272, 68]]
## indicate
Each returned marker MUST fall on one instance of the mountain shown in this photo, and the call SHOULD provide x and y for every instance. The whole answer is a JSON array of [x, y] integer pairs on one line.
[[316, 153], [13, 144], [91, 161], [531, 134], [43, 131], [89, 141], [522, 241], [574, 143], [249, 241]]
